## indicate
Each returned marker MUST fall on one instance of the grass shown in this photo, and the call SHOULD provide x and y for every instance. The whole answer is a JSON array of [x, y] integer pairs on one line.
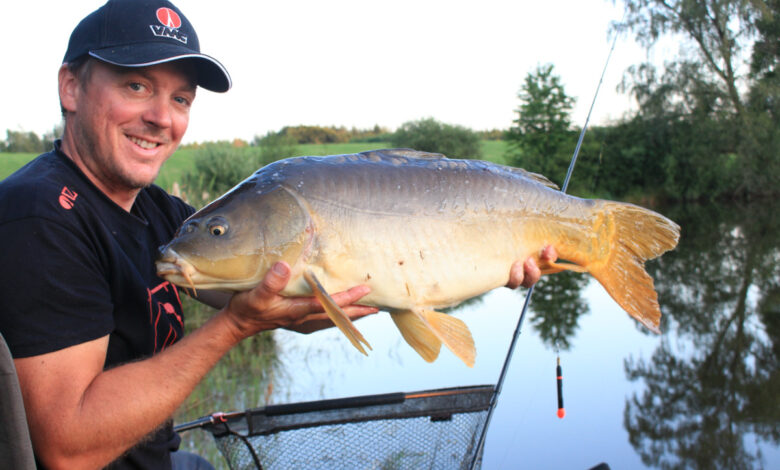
[[10, 162]]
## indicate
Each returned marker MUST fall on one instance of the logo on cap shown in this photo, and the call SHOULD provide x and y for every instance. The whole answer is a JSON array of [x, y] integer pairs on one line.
[[169, 18], [171, 22]]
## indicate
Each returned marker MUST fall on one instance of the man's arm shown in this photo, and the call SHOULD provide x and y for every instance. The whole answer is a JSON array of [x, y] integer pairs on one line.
[[81, 416]]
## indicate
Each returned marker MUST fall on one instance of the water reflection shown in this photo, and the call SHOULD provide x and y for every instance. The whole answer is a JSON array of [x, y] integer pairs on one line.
[[718, 383], [556, 306]]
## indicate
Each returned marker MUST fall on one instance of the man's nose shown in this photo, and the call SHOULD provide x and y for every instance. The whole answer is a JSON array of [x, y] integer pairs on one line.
[[158, 113]]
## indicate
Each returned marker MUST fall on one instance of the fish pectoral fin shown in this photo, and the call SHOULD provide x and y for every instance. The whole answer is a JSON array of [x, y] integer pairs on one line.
[[335, 313], [552, 267], [417, 333], [450, 331]]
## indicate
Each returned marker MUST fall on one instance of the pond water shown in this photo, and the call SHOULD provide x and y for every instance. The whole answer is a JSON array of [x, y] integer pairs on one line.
[[703, 394]]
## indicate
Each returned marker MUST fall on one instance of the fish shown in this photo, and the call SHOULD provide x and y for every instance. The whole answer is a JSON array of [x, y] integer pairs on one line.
[[423, 231]]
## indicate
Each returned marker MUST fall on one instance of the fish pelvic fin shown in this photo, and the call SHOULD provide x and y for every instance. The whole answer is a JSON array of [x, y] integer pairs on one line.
[[417, 334], [426, 330], [335, 313], [627, 236]]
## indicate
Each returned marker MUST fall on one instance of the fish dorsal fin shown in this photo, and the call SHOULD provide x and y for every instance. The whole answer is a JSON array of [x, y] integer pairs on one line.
[[403, 152], [539, 178], [419, 154], [425, 331]]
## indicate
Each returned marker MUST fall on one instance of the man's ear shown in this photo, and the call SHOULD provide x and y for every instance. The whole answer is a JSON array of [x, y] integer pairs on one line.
[[69, 88]]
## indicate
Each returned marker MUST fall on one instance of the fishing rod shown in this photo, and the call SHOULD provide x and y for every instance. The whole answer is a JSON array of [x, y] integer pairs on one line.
[[518, 328]]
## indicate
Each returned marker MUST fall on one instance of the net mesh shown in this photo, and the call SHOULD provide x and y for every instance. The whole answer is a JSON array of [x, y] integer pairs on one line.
[[436, 429]]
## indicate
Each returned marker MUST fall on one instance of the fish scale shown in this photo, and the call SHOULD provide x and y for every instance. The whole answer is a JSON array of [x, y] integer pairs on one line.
[[423, 231]]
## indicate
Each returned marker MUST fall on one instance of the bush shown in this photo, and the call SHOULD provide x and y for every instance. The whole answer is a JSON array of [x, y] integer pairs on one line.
[[316, 134], [432, 136], [218, 167], [274, 146]]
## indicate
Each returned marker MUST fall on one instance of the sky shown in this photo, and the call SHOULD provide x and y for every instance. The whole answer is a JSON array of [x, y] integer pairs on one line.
[[347, 63]]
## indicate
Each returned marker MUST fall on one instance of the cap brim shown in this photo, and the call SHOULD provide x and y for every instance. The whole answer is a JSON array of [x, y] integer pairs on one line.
[[212, 75]]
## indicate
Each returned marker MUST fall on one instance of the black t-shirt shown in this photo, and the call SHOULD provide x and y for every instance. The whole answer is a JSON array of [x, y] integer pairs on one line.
[[77, 267]]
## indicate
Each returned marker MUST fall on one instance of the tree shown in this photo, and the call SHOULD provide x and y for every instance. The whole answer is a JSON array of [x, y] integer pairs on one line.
[[541, 139], [23, 142], [55, 133], [704, 81], [764, 94]]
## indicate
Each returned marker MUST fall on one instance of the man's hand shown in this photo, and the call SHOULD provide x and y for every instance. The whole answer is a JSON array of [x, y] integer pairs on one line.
[[527, 273], [262, 308]]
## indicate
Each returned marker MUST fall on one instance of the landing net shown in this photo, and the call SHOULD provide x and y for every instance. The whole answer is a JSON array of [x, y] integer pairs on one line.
[[433, 429]]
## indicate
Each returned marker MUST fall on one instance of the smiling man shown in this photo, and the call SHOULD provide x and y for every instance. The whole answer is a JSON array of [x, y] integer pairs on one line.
[[97, 338], [95, 334]]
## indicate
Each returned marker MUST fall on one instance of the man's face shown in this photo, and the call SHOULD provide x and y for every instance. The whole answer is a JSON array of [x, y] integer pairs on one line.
[[126, 122]]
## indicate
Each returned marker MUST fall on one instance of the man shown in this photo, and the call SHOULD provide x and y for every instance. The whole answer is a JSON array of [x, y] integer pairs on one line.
[[96, 336]]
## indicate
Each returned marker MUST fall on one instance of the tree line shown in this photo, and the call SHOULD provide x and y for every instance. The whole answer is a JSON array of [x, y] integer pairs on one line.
[[29, 142]]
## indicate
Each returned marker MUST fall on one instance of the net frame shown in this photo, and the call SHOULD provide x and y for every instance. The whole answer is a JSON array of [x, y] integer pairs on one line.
[[437, 428]]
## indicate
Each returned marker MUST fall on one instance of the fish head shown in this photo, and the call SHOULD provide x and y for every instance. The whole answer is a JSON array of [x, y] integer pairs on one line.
[[231, 243]]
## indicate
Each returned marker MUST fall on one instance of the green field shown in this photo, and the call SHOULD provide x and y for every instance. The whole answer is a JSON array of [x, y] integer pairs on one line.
[[181, 162], [10, 162]]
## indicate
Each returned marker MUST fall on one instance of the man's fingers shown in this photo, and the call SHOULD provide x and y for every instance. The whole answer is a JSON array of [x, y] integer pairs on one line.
[[350, 296], [275, 279], [527, 273], [532, 273], [549, 253], [359, 311], [516, 275], [319, 321]]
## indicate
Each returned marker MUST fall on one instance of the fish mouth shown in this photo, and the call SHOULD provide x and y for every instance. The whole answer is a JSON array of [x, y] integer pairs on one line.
[[175, 269]]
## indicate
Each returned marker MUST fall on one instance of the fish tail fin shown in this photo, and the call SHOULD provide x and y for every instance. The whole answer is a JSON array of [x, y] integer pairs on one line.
[[624, 236], [425, 331]]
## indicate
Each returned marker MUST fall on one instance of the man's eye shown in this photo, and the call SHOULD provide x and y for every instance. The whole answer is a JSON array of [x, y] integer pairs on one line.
[[135, 86]]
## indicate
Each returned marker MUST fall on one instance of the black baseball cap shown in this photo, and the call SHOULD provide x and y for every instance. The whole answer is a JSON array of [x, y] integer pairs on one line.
[[139, 33]]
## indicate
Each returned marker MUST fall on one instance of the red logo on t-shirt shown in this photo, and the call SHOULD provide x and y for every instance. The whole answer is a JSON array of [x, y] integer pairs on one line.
[[159, 309], [169, 18], [68, 198]]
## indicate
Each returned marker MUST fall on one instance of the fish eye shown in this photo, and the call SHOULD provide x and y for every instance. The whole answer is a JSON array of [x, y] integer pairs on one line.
[[218, 226]]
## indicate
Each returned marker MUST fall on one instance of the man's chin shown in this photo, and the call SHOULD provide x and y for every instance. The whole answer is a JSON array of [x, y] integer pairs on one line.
[[137, 181]]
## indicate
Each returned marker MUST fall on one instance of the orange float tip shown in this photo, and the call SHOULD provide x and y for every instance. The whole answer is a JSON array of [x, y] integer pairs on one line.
[[561, 413]]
